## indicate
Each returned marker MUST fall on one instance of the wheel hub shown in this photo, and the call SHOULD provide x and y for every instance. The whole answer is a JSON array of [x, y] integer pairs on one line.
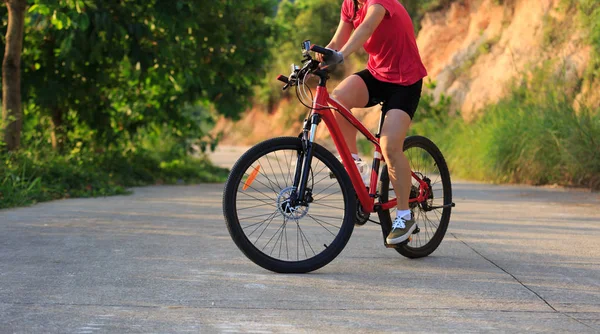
[[288, 210]]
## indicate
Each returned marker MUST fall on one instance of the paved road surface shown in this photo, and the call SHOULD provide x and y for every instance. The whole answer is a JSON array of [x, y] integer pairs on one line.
[[516, 259]]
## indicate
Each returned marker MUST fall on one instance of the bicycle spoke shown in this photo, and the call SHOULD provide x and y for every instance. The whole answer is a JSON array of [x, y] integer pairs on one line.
[[303, 237], [438, 219], [266, 227], [318, 221], [280, 169], [320, 199], [289, 163], [270, 218], [255, 206], [266, 186], [326, 216], [280, 227], [298, 243], [320, 170], [324, 178], [274, 174], [261, 172], [287, 250], [321, 204], [246, 218], [426, 227], [280, 238], [260, 192], [258, 199], [321, 180]]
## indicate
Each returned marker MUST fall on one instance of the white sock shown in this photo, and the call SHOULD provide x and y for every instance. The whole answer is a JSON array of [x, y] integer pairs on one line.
[[355, 157], [406, 214]]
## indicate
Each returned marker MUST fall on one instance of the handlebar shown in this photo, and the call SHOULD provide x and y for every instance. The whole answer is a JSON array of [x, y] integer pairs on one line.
[[283, 79], [310, 65], [321, 50]]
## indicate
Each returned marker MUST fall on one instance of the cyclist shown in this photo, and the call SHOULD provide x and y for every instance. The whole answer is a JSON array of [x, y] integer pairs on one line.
[[394, 76]]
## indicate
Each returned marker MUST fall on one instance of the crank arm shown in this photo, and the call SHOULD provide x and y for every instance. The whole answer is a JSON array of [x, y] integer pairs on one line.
[[451, 205]]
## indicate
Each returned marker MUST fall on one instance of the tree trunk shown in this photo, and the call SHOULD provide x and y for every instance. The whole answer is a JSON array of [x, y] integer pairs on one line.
[[58, 133], [12, 115]]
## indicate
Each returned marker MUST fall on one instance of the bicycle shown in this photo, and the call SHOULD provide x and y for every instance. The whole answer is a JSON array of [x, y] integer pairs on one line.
[[291, 206]]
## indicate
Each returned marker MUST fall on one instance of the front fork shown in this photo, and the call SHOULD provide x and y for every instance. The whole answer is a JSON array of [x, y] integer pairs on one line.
[[302, 194]]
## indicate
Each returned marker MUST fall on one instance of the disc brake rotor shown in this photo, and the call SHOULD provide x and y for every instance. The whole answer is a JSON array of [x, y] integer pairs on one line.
[[287, 210]]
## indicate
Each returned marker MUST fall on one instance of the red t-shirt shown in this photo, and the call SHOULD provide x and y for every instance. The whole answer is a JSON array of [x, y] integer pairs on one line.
[[393, 53]]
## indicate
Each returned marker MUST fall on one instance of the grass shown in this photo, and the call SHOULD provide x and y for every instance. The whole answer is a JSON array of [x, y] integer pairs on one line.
[[533, 136], [38, 174]]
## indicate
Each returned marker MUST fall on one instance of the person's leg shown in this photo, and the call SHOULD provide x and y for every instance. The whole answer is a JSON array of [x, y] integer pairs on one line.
[[351, 93], [395, 128]]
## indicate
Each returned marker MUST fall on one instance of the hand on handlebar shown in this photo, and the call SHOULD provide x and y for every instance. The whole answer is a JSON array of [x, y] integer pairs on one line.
[[320, 56], [327, 56], [334, 58], [323, 57]]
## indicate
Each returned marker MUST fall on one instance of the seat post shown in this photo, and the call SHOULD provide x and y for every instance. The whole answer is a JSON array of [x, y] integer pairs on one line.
[[381, 118]]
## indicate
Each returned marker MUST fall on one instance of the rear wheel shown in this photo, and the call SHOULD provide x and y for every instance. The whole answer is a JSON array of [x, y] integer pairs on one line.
[[432, 215], [263, 220]]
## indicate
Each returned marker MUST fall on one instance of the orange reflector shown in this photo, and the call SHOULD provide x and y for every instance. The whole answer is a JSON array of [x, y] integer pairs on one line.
[[409, 239], [251, 178]]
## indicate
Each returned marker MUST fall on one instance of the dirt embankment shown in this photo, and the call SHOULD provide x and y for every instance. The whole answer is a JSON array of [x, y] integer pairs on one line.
[[473, 50]]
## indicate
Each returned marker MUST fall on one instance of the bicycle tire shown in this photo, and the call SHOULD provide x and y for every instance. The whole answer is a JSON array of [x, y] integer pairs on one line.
[[410, 250], [241, 234]]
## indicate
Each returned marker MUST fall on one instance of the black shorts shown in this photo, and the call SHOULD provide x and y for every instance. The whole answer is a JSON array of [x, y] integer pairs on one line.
[[393, 96]]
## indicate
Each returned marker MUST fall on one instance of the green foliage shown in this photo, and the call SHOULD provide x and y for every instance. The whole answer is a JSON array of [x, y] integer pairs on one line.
[[115, 67], [532, 136], [365, 147], [126, 90], [431, 107], [124, 64], [37, 175], [418, 8], [296, 21], [589, 13]]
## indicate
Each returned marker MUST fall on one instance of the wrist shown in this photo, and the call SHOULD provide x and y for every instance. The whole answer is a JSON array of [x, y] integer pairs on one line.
[[344, 53]]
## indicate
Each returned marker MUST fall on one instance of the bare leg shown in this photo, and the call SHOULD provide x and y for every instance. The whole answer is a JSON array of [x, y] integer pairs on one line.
[[395, 128], [351, 93]]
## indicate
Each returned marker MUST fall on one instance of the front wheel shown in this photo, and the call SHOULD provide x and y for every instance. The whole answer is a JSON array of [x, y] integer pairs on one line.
[[269, 227], [433, 215]]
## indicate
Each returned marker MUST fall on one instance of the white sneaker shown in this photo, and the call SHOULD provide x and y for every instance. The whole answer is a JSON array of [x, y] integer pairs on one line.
[[365, 171], [363, 168]]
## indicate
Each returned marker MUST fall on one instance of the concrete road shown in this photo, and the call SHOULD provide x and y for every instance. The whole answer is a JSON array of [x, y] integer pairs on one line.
[[516, 259]]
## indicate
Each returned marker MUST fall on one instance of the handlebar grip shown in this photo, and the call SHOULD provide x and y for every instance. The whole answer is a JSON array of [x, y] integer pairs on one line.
[[321, 50], [283, 79]]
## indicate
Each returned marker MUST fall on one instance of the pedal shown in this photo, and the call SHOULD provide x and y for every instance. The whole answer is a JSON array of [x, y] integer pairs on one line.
[[417, 230]]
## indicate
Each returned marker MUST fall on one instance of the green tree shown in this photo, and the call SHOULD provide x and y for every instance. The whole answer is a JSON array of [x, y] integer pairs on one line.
[[108, 68], [295, 22]]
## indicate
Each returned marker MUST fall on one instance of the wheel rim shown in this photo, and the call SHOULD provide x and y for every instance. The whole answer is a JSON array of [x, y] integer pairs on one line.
[[278, 229], [424, 166]]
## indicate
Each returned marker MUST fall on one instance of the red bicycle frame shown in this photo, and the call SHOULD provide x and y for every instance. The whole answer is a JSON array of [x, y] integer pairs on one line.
[[366, 198]]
